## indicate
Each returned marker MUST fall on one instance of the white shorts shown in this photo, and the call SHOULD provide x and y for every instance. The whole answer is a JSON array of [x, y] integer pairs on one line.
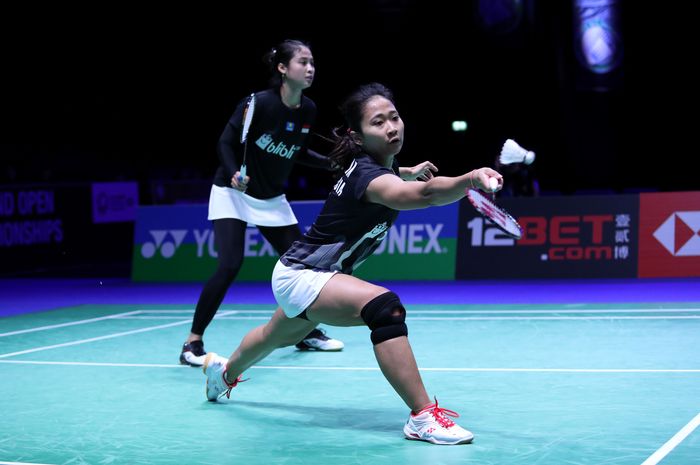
[[225, 202], [295, 290]]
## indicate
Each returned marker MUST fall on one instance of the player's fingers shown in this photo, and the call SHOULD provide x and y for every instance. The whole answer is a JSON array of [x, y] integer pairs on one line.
[[238, 183]]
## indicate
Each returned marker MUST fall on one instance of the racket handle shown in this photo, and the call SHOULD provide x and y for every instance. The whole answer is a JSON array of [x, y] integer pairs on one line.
[[241, 176]]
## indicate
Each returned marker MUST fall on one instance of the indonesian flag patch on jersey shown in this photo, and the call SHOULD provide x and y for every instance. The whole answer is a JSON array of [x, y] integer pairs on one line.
[[305, 129]]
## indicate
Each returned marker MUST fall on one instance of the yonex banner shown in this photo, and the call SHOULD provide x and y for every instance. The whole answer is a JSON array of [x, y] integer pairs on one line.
[[176, 243], [669, 234], [422, 244], [563, 237]]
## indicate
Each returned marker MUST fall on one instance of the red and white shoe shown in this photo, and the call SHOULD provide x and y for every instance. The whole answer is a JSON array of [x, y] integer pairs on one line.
[[433, 425], [215, 368]]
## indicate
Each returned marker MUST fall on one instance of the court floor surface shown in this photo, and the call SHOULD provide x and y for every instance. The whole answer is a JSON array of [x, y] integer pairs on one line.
[[544, 383]]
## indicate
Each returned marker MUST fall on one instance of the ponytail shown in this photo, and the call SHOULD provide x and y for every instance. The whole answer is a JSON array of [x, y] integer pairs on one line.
[[345, 148]]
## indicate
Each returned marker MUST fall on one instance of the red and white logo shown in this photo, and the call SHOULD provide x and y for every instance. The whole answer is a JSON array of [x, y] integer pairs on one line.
[[680, 234], [669, 234]]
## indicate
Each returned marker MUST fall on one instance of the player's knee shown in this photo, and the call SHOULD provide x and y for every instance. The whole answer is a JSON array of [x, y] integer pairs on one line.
[[386, 317]]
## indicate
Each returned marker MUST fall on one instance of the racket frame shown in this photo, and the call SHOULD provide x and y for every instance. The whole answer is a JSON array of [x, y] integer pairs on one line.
[[493, 213], [247, 121]]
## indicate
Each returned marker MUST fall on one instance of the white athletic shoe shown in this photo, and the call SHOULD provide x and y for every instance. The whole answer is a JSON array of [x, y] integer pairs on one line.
[[215, 368], [432, 425], [193, 354], [317, 340]]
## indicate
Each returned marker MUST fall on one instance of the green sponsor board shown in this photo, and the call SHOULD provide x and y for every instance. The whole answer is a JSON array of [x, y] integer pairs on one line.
[[176, 243], [186, 266], [402, 266]]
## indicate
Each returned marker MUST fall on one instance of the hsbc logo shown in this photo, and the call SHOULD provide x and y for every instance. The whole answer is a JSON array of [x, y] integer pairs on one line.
[[680, 234]]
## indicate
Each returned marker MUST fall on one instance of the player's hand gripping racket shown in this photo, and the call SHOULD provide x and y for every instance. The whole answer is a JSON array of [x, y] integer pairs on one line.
[[492, 212], [247, 120]]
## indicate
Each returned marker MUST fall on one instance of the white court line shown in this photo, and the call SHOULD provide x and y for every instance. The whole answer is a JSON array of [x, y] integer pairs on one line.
[[96, 364], [336, 368], [467, 312], [497, 370], [99, 338], [225, 315], [21, 463], [93, 339], [644, 310], [660, 317], [61, 325], [662, 452], [463, 318]]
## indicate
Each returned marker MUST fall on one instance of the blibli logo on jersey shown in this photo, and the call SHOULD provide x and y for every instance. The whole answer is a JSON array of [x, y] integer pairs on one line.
[[266, 143]]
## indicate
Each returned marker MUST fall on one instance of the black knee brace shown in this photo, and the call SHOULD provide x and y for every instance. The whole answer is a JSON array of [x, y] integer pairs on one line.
[[386, 317]]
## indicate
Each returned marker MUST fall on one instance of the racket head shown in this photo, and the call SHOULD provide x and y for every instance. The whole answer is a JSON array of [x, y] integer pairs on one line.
[[497, 215], [247, 117]]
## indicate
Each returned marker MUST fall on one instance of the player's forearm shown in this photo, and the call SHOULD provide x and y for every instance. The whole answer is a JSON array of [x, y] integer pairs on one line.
[[228, 161], [225, 150], [443, 190]]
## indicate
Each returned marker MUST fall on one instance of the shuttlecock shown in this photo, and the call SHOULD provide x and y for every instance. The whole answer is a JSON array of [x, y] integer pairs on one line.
[[513, 153]]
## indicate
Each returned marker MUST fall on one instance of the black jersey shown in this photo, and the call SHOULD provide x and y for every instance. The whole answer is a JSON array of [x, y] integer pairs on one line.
[[276, 137], [349, 228]]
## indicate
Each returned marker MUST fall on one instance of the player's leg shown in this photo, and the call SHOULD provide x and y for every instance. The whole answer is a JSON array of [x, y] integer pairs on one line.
[[281, 238], [347, 301], [229, 236], [280, 331]]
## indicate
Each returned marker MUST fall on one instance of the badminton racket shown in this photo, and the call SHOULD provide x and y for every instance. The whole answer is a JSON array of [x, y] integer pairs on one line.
[[247, 120], [492, 212]]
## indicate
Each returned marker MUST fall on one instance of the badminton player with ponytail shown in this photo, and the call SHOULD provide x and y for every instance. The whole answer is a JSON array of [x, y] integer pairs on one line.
[[266, 135], [313, 281]]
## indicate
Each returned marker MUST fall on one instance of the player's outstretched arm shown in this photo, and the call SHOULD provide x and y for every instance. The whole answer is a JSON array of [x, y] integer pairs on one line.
[[392, 192]]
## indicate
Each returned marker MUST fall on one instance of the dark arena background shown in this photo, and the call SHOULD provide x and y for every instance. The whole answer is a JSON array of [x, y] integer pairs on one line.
[[144, 95], [577, 343]]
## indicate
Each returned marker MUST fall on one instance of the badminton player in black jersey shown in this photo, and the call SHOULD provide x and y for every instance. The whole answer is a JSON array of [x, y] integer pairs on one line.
[[313, 280], [277, 139]]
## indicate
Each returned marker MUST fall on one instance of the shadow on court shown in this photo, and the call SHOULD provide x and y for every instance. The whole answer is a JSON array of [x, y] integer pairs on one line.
[[304, 416]]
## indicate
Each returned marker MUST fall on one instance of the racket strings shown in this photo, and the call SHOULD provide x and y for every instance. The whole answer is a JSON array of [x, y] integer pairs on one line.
[[492, 212]]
